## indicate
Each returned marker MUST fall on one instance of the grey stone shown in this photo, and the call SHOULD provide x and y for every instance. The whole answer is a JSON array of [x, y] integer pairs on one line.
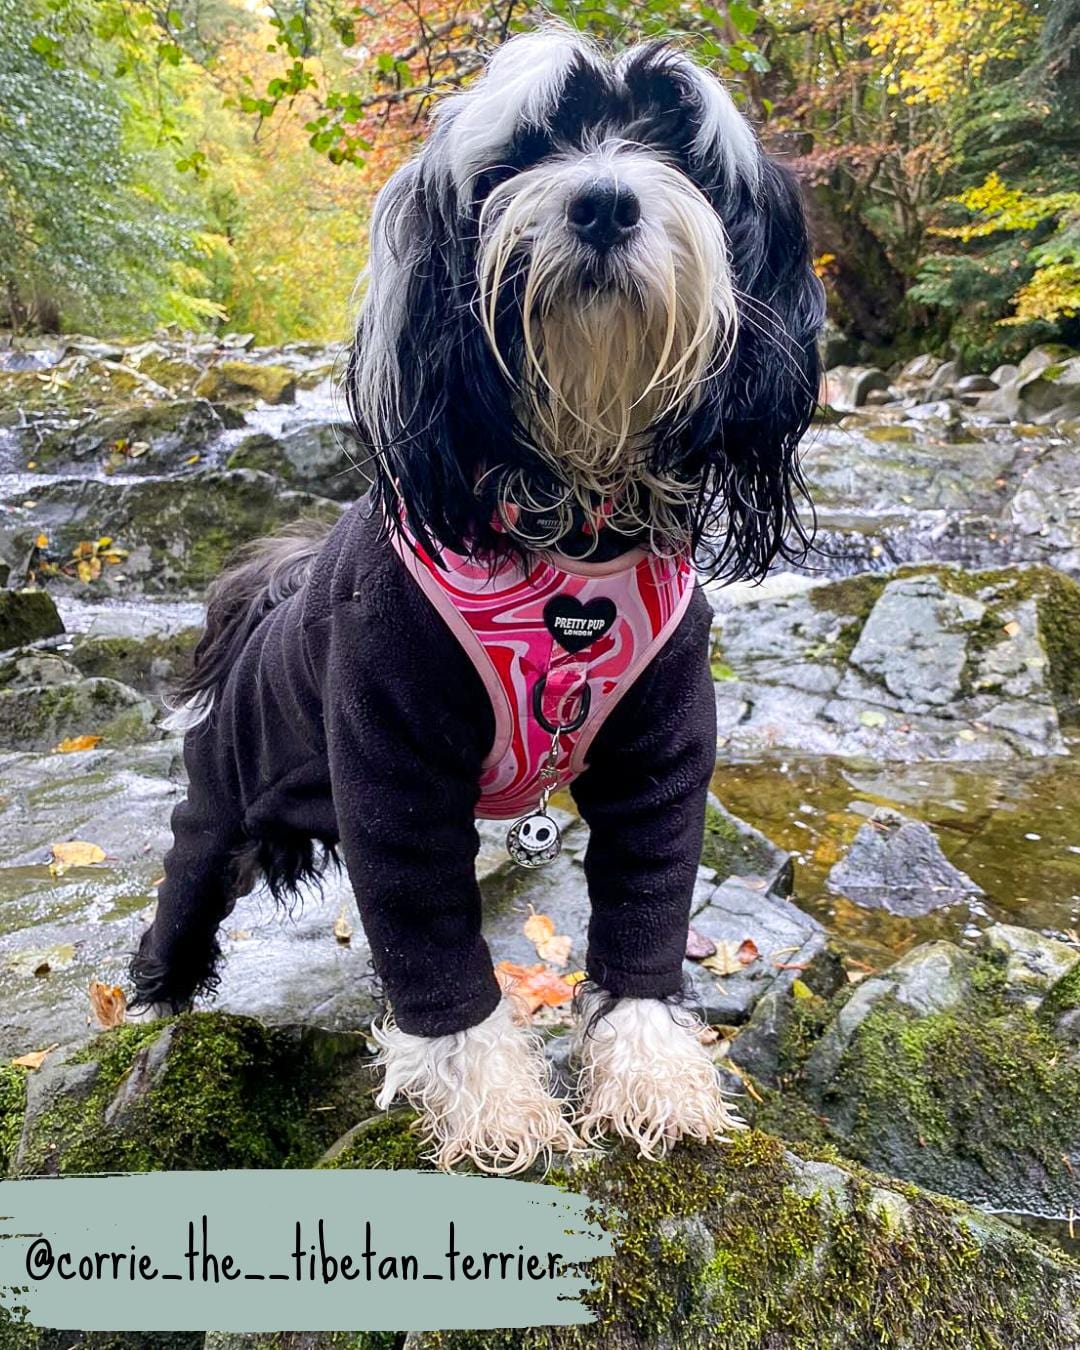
[[975, 384], [847, 387], [897, 864], [733, 913], [1032, 962], [38, 717]]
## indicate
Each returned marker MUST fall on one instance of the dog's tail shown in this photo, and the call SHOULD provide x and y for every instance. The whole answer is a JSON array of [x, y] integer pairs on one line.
[[261, 575]]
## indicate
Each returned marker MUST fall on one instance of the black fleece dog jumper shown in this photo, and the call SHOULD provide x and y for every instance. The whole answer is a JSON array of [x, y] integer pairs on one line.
[[353, 716]]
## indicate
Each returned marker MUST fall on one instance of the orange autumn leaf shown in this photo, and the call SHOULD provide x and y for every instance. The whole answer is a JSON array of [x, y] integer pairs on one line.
[[72, 743], [535, 986], [748, 951], [108, 1005], [35, 1059], [74, 853]]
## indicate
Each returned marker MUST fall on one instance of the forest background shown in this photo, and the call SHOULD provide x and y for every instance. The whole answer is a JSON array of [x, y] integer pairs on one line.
[[210, 164]]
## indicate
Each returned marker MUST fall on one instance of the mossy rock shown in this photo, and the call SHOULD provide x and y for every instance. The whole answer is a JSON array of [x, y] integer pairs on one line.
[[27, 616], [200, 1091], [79, 385], [148, 664], [748, 1246], [734, 849], [963, 1086], [12, 1107], [38, 717], [142, 438], [178, 532], [231, 381]]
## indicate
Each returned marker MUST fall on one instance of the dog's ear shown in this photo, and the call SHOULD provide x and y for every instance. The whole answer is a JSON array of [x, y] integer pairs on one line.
[[760, 405], [421, 386]]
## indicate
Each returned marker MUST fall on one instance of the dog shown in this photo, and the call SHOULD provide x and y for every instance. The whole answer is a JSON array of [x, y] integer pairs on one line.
[[582, 366]]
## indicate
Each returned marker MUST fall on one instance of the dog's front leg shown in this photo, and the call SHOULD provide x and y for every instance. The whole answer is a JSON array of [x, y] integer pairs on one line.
[[405, 770], [644, 1072]]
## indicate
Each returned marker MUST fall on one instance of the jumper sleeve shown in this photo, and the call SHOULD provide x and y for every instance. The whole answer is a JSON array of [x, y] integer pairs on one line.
[[643, 797], [408, 726]]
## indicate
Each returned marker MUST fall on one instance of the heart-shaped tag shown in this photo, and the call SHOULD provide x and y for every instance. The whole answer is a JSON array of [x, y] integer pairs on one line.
[[575, 626]]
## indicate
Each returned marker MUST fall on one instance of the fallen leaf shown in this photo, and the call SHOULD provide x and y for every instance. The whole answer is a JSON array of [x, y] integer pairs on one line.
[[72, 743], [748, 951], [854, 976], [42, 541], [36, 1059], [556, 950], [538, 928], [550, 946], [872, 719], [108, 1005], [193, 459], [343, 928], [74, 853], [698, 946], [1011, 628], [726, 960], [791, 965], [801, 990], [535, 986]]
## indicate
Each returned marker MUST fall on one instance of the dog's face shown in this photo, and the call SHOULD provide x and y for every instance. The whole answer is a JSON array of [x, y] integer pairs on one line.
[[589, 299]]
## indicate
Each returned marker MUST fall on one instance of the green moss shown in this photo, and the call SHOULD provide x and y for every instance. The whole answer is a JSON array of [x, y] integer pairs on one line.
[[385, 1143], [1061, 997], [852, 598], [961, 1100], [26, 616], [12, 1106], [743, 1247], [731, 851], [226, 1092], [142, 663]]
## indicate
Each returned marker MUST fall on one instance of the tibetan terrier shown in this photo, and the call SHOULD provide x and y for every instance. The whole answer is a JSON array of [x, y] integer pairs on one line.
[[582, 367]]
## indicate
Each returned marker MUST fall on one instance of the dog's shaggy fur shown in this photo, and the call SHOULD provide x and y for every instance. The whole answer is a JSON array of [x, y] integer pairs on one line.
[[588, 327]]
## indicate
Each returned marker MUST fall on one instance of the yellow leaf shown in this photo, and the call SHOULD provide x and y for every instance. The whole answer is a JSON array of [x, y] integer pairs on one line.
[[35, 1059], [108, 1005], [74, 853], [192, 459], [575, 977], [42, 541], [725, 960], [801, 990], [104, 541], [72, 743], [343, 928]]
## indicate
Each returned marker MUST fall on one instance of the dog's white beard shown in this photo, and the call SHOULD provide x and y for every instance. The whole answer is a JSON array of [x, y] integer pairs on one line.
[[483, 1094], [646, 1076], [603, 367]]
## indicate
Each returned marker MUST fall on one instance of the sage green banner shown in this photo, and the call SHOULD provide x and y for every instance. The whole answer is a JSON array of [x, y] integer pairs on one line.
[[282, 1251]]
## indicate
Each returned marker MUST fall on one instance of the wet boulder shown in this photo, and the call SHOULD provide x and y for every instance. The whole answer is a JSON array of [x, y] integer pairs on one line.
[[896, 863], [205, 1090], [40, 716], [178, 532], [27, 616], [145, 438], [150, 663], [847, 387], [951, 1068], [927, 663], [234, 381], [1045, 393], [319, 457]]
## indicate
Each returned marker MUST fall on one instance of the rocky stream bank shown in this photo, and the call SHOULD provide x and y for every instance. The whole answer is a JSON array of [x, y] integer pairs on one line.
[[885, 937]]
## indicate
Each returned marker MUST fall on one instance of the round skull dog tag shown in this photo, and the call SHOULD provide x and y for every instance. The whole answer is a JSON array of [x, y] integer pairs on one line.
[[534, 840]]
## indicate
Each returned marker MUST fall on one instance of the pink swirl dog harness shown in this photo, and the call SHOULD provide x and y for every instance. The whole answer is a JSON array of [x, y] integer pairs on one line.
[[556, 647]]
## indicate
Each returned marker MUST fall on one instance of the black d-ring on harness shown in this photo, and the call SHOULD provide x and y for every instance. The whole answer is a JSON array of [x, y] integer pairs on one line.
[[537, 707]]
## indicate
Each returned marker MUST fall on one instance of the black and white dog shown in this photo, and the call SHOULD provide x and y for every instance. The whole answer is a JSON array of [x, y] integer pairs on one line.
[[585, 357]]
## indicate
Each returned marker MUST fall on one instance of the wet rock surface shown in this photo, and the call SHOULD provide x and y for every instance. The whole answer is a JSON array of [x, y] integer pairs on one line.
[[904, 994]]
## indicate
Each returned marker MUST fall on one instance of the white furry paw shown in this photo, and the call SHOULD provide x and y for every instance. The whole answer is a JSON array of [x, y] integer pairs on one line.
[[483, 1094], [646, 1076]]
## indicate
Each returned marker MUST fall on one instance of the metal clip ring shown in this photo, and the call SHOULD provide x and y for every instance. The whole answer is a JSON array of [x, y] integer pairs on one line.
[[537, 707]]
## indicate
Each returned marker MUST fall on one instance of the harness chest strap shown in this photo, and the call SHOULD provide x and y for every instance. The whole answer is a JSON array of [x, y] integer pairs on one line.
[[556, 645]]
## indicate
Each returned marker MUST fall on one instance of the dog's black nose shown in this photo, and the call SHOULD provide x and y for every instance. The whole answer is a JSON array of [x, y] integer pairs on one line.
[[603, 214]]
